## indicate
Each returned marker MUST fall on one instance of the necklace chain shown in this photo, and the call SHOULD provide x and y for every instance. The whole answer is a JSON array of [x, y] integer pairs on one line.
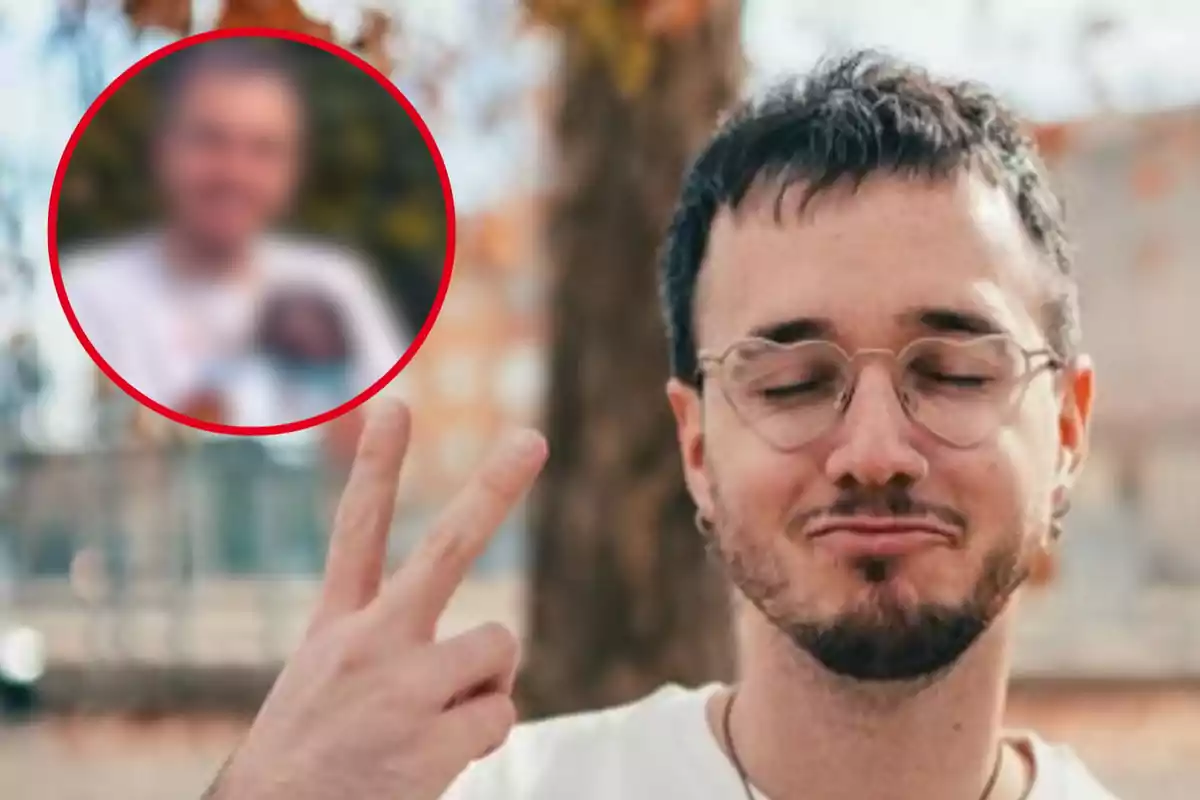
[[727, 733]]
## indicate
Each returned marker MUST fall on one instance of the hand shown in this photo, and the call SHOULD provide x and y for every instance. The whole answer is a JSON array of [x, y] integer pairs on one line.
[[340, 437], [370, 706]]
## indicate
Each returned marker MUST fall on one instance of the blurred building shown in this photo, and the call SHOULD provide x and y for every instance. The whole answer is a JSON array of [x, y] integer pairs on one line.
[[482, 367], [1132, 185]]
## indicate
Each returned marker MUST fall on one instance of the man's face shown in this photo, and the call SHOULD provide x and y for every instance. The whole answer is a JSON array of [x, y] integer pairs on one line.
[[229, 157], [869, 266]]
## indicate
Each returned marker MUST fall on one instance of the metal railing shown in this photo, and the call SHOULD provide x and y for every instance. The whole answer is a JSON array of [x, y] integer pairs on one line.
[[202, 552]]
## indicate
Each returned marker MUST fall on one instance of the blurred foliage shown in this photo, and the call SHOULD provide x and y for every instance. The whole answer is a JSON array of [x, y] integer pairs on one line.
[[171, 15], [371, 182], [176, 15], [284, 14], [623, 34]]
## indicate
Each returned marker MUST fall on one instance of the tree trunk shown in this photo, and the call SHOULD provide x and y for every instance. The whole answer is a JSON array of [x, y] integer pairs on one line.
[[624, 597]]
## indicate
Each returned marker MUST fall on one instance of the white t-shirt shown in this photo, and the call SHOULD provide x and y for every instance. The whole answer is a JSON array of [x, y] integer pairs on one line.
[[662, 747], [166, 335], [261, 394]]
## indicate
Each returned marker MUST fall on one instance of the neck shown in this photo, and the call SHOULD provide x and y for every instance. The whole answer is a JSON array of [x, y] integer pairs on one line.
[[802, 732], [191, 257]]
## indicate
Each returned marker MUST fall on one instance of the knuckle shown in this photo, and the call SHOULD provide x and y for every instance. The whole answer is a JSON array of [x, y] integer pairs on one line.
[[355, 657], [444, 548], [498, 640], [410, 692], [353, 648], [502, 485], [415, 677], [496, 718], [493, 482]]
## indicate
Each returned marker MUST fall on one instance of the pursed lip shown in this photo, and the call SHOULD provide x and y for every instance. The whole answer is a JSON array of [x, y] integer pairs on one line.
[[882, 526]]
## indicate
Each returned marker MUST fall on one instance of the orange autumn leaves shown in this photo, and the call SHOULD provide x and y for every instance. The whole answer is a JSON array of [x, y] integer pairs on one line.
[[624, 34], [175, 15]]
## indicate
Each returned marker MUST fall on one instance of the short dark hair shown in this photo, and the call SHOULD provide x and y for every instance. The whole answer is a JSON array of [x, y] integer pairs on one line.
[[243, 56], [853, 117]]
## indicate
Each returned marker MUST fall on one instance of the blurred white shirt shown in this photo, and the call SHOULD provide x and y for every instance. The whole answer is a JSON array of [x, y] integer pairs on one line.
[[166, 335], [261, 394], [662, 747]]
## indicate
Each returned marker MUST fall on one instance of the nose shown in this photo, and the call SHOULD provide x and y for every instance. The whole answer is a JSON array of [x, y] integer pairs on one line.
[[874, 442]]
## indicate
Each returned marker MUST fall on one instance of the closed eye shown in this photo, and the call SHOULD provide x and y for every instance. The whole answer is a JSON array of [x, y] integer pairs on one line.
[[964, 380], [955, 380], [817, 388], [791, 390]]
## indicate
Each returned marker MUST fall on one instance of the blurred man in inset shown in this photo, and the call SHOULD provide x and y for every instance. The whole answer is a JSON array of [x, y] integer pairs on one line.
[[171, 309]]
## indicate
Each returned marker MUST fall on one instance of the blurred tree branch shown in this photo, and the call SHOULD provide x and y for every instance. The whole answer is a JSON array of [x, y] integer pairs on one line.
[[169, 15], [371, 42]]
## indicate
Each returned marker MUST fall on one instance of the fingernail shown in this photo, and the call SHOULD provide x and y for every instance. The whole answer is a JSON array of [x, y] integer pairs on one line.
[[526, 444]]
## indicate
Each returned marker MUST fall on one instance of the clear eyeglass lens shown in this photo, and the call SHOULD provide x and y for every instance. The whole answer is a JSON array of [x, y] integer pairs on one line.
[[959, 390]]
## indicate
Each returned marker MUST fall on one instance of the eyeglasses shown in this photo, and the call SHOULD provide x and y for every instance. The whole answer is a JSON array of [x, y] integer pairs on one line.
[[959, 390]]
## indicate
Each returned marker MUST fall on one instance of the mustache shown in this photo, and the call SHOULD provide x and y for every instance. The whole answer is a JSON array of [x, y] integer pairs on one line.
[[887, 501]]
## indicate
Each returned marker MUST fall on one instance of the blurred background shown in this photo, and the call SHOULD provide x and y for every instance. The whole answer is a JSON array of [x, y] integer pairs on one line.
[[152, 581]]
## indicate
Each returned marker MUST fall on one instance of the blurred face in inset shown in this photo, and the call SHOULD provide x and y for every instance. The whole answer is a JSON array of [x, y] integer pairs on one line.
[[229, 155], [879, 512]]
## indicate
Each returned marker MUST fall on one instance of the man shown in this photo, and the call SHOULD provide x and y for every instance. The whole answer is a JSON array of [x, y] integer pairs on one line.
[[881, 406], [173, 311]]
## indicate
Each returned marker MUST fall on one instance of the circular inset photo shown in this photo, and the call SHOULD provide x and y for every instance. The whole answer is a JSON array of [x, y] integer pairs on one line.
[[251, 231]]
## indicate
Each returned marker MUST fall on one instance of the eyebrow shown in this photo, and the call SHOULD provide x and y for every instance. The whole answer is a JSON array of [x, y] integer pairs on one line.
[[933, 319], [794, 330], [951, 320]]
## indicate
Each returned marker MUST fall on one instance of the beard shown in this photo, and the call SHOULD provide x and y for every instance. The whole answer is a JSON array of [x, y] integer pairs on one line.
[[882, 638]]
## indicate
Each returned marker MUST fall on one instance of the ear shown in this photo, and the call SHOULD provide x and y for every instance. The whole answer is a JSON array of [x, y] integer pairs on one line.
[[687, 404], [1074, 418]]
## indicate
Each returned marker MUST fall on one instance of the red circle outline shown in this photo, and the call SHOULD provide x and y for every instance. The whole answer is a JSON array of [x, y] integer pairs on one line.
[[447, 264]]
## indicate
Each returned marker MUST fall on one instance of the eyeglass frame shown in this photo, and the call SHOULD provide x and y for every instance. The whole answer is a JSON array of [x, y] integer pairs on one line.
[[706, 360]]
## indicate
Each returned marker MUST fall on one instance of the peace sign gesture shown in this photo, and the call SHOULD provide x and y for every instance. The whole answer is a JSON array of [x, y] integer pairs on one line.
[[371, 706]]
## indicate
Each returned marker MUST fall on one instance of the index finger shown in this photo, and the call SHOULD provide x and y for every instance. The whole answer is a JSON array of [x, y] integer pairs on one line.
[[419, 591], [358, 546]]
